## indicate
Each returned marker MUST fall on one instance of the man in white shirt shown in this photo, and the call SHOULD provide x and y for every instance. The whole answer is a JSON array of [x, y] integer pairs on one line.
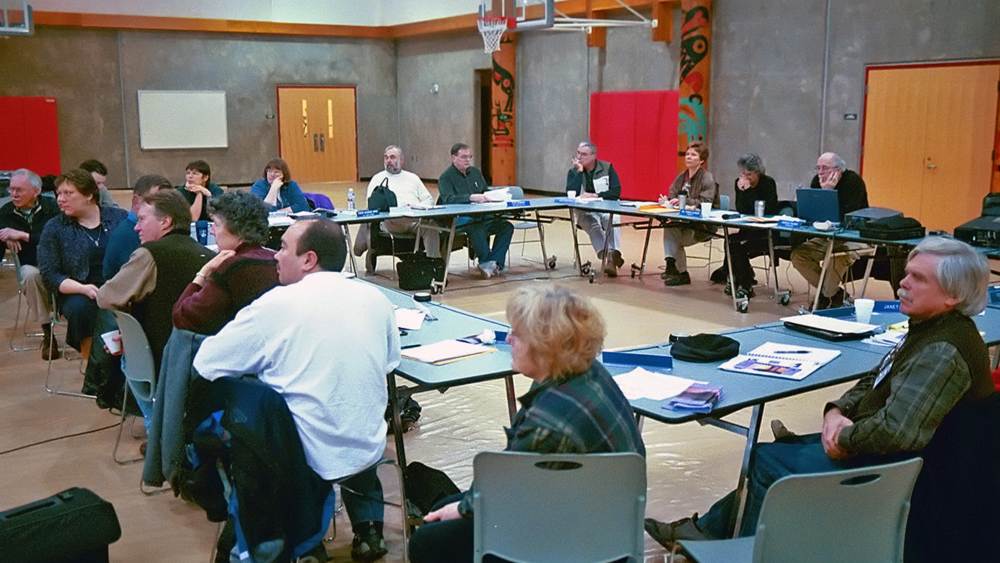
[[409, 190], [331, 373]]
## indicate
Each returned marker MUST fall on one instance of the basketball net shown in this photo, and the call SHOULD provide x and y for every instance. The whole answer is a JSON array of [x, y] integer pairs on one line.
[[492, 29]]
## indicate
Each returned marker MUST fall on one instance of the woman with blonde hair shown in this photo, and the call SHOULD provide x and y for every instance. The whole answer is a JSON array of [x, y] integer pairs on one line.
[[573, 405]]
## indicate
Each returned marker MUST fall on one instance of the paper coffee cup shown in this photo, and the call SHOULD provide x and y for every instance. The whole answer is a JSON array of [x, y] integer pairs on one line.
[[863, 310], [112, 342], [706, 208], [571, 194]]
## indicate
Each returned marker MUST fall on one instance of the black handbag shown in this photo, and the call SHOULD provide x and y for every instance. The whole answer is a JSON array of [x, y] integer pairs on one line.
[[417, 271], [893, 228], [382, 197]]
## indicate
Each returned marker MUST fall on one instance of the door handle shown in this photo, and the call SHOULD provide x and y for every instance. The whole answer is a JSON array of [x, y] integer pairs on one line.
[[315, 142], [322, 142]]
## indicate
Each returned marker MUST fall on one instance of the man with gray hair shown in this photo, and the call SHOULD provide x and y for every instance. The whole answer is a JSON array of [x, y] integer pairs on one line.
[[894, 411], [590, 178], [409, 190], [831, 173], [21, 223]]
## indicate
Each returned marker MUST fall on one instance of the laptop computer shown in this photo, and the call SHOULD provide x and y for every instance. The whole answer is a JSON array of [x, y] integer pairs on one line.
[[817, 205]]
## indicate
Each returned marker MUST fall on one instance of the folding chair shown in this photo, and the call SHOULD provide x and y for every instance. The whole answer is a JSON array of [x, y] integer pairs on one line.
[[138, 369], [20, 331], [523, 225], [50, 388], [534, 507], [856, 515]]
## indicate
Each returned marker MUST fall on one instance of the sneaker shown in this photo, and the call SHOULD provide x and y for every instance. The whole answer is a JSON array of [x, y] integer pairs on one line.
[[666, 534], [368, 546], [488, 269], [616, 256], [670, 269], [682, 278]]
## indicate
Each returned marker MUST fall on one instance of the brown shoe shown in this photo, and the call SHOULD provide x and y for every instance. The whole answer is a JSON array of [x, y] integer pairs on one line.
[[666, 534], [780, 431]]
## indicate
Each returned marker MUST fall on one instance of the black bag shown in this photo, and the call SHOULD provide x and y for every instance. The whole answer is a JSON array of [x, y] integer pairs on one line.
[[425, 486], [382, 197], [704, 348], [74, 525], [417, 271], [893, 228]]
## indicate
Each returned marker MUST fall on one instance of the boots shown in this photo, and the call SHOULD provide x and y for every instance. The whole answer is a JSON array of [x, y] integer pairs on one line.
[[614, 262], [50, 348], [672, 277]]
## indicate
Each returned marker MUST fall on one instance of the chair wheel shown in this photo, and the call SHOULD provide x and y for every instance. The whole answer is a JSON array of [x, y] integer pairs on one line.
[[635, 270], [590, 277], [785, 298], [586, 269], [551, 264], [743, 305]]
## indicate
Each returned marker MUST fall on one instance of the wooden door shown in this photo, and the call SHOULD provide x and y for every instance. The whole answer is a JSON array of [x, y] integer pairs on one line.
[[317, 133], [928, 140]]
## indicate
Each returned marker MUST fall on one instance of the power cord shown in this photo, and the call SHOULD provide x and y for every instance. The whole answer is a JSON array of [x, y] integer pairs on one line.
[[57, 438]]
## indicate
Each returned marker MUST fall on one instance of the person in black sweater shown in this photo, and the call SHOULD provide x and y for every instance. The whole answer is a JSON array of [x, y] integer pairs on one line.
[[832, 173], [751, 186], [21, 223]]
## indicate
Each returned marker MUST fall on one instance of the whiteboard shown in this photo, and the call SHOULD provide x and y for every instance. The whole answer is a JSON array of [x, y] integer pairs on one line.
[[182, 119]]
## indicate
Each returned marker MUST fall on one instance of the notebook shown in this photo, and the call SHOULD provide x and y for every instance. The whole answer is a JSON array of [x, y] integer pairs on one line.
[[786, 361], [817, 205]]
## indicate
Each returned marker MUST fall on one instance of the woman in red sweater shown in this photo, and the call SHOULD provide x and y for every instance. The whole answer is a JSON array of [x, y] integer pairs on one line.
[[242, 271]]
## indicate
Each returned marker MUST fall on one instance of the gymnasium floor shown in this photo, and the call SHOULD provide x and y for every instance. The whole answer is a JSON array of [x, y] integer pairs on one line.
[[688, 466]]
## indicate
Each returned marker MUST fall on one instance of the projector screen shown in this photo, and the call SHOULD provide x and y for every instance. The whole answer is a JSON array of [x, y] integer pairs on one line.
[[182, 119]]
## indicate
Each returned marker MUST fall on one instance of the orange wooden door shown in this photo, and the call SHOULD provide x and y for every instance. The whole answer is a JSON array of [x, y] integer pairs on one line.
[[928, 140], [318, 133]]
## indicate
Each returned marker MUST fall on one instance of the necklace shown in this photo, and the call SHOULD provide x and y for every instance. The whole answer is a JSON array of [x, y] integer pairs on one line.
[[100, 233]]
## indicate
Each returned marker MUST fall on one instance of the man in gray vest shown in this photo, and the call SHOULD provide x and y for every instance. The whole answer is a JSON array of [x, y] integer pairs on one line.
[[893, 411]]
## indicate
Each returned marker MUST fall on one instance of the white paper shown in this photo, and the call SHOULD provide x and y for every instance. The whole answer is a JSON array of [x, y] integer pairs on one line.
[[443, 351], [409, 319], [602, 184], [500, 194], [830, 324], [644, 384], [279, 220]]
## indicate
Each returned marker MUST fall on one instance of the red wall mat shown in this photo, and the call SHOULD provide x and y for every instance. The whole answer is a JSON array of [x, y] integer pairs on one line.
[[637, 132], [29, 134]]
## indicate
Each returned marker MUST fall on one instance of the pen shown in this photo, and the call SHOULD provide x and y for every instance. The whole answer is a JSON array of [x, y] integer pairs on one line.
[[792, 352]]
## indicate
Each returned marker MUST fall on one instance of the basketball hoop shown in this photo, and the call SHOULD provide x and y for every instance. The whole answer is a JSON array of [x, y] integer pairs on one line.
[[492, 28]]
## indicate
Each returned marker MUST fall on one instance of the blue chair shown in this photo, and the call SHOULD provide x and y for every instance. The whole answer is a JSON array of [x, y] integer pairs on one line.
[[559, 507], [856, 515]]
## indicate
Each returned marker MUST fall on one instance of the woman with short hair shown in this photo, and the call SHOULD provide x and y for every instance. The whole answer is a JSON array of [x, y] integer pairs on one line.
[[573, 406], [71, 253], [242, 271], [199, 188], [277, 189], [696, 183]]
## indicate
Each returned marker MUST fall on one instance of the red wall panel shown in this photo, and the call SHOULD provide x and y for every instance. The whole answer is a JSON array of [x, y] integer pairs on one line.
[[29, 134], [637, 132]]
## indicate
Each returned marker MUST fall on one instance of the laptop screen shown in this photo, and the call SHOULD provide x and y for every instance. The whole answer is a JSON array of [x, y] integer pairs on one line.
[[817, 205]]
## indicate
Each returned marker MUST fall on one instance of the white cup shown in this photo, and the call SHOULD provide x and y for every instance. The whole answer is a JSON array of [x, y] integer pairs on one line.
[[706, 208], [112, 341], [571, 194], [863, 310]]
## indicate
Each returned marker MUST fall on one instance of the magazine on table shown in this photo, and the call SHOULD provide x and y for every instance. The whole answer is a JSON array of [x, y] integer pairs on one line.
[[786, 361]]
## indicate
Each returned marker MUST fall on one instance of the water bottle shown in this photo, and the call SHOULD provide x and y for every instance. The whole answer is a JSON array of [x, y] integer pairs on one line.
[[351, 206], [194, 231]]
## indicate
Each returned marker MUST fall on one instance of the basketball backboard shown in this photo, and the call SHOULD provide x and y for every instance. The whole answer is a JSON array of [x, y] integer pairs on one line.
[[526, 14]]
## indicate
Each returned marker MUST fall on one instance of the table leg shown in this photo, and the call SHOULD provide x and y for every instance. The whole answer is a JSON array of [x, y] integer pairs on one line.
[[576, 241], [396, 422], [439, 286], [350, 253], [511, 398], [541, 240], [729, 267], [753, 431], [822, 273]]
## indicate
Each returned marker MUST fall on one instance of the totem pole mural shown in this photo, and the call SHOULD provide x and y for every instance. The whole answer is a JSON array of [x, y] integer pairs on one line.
[[695, 74], [503, 152]]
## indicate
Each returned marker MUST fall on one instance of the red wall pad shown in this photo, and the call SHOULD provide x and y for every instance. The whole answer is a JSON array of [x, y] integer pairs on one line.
[[637, 132], [29, 134]]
